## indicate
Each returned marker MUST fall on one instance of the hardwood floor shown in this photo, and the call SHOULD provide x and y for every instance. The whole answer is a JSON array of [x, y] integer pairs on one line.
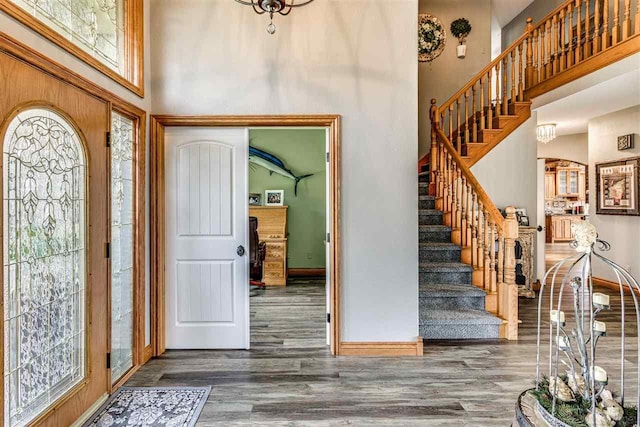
[[289, 378]]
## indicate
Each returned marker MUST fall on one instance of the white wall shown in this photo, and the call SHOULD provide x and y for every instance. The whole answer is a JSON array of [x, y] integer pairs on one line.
[[21, 33], [356, 58], [508, 172], [622, 232], [567, 147]]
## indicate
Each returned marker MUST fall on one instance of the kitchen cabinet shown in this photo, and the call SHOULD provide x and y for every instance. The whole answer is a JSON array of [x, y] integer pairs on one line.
[[568, 182], [559, 227], [549, 185]]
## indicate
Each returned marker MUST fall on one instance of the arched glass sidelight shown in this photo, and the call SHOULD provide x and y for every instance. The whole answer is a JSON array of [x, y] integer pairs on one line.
[[44, 188]]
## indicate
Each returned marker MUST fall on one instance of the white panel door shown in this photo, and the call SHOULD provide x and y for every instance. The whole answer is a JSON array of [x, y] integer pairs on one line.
[[207, 300]]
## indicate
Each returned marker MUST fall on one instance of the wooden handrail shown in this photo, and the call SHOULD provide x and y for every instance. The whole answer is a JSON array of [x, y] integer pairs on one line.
[[496, 216]]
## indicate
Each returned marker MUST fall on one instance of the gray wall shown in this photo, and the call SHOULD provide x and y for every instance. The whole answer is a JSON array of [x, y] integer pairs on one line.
[[19, 32], [447, 74], [568, 147], [536, 10], [356, 58], [623, 232]]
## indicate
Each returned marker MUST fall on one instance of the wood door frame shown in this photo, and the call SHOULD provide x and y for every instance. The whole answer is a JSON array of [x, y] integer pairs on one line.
[[35, 59], [157, 205]]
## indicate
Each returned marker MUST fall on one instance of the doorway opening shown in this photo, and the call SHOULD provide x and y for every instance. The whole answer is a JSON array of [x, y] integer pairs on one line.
[[177, 159]]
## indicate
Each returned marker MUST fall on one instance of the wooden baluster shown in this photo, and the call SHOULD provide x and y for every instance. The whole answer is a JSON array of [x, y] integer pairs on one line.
[[458, 128], [508, 308], [605, 24], [521, 60], [536, 54], [554, 45], [562, 57], [513, 76], [497, 100], [543, 59], [492, 254], [474, 230], [469, 216], [549, 63], [570, 52], [486, 277], [466, 117], [464, 211], [505, 82], [450, 123], [529, 69], [587, 23], [480, 236], [579, 31], [448, 196], [637, 30], [474, 113], [482, 122], [489, 100], [443, 176], [458, 208], [596, 28], [615, 36], [626, 24]]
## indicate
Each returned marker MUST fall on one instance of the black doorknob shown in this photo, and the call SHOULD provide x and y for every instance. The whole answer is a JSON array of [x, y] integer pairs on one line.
[[240, 251], [540, 228]]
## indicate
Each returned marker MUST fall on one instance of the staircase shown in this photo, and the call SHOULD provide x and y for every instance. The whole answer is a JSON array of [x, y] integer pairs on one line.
[[451, 307], [467, 245]]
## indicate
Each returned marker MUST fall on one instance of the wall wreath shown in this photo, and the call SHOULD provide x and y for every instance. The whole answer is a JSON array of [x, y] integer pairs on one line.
[[431, 37]]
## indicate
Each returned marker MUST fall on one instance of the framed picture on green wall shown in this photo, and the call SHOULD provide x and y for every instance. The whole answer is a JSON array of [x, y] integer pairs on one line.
[[255, 199], [274, 197]]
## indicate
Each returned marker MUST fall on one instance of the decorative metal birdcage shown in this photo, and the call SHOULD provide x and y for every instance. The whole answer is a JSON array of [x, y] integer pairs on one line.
[[580, 396]]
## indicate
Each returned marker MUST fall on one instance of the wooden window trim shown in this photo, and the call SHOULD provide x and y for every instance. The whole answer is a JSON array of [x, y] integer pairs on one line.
[[133, 79], [24, 53], [157, 207]]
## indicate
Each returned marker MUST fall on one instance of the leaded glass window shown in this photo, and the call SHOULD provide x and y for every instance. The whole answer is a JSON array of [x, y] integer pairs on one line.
[[44, 185], [96, 26], [122, 219]]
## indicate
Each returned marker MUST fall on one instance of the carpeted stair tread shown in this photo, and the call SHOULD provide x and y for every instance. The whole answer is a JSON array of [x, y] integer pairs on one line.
[[458, 317], [445, 246], [425, 197], [434, 227], [445, 267], [429, 290]]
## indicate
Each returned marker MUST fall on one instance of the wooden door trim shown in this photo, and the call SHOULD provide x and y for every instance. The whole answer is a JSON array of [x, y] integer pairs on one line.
[[24, 53], [157, 206]]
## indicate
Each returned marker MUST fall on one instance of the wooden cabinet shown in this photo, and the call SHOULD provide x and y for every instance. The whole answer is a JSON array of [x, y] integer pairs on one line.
[[272, 229], [559, 227], [549, 185], [568, 182]]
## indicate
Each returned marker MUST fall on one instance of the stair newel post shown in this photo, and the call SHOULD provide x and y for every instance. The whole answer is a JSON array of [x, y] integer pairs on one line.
[[486, 276], [474, 119], [509, 289], [458, 123], [570, 54], [442, 166], [626, 25], [562, 58], [466, 118], [529, 70], [520, 74], [596, 32], [513, 75], [489, 100], [616, 23], [435, 117], [605, 24], [505, 77], [579, 33]]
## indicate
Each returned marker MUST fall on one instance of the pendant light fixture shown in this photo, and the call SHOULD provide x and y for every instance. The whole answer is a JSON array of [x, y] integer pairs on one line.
[[546, 133], [283, 7]]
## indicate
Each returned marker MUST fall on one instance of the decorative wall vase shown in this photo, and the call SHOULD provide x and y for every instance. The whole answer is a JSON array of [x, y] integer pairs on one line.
[[432, 37], [461, 50], [460, 28]]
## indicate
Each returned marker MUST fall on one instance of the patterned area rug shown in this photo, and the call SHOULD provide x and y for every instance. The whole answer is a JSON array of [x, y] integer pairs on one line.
[[152, 406]]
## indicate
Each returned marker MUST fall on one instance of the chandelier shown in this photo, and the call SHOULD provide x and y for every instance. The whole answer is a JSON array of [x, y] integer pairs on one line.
[[546, 133], [283, 7]]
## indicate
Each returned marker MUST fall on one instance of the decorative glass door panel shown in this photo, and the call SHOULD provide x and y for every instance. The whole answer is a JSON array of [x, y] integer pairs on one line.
[[122, 234], [44, 187]]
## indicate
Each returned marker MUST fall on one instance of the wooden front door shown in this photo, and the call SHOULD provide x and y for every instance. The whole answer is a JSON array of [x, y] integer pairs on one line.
[[55, 228]]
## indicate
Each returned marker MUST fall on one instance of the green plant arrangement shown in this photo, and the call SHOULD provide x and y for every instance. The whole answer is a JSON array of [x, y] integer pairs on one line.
[[460, 28], [431, 38]]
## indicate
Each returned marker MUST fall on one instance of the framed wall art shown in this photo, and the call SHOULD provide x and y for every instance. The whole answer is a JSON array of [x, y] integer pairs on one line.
[[617, 187]]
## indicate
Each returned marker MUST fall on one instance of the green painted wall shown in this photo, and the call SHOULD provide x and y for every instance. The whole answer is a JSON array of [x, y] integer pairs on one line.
[[303, 152]]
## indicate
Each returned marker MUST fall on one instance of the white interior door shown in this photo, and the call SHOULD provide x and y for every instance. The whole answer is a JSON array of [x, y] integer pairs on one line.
[[207, 301]]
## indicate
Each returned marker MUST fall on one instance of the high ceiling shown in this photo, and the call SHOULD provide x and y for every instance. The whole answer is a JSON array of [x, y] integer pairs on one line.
[[572, 106], [505, 10]]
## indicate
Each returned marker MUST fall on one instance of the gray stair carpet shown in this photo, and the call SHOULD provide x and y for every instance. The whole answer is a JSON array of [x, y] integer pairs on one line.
[[450, 306]]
